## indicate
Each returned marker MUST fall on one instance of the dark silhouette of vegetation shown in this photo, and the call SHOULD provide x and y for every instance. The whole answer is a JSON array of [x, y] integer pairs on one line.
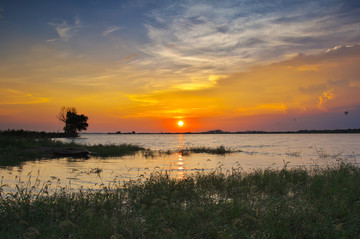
[[30, 134], [15, 149], [73, 121], [306, 131]]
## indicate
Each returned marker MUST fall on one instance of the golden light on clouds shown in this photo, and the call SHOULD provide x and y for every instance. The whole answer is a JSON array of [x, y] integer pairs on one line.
[[264, 109], [325, 97], [310, 67], [197, 84], [15, 97], [299, 86], [231, 66]]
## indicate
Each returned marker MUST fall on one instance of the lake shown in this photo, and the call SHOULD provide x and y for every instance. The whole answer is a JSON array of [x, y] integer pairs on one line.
[[258, 151]]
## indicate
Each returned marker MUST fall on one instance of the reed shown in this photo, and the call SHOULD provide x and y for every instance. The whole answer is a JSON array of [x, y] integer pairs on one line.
[[270, 203]]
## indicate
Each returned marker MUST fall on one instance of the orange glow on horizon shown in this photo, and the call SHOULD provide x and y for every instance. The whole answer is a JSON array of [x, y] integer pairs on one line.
[[189, 124], [261, 98]]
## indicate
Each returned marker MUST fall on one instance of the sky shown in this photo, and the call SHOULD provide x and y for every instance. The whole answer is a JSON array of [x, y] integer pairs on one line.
[[137, 65]]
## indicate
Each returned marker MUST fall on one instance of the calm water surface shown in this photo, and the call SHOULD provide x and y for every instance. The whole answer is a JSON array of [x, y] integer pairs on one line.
[[258, 151]]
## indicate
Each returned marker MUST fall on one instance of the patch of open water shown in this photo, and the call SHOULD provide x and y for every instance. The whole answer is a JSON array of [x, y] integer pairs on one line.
[[258, 151]]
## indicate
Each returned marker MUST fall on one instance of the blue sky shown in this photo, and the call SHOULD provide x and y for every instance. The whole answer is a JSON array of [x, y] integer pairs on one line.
[[130, 52], [239, 31]]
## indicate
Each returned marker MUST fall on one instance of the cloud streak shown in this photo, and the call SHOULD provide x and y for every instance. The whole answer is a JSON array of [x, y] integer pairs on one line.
[[201, 37], [280, 89], [110, 30], [67, 31], [15, 97]]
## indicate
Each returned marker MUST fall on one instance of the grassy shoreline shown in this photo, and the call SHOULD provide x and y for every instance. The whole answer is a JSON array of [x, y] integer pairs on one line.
[[270, 203], [15, 149]]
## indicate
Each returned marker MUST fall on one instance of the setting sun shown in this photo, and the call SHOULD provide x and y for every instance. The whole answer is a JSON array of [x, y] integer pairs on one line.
[[180, 123]]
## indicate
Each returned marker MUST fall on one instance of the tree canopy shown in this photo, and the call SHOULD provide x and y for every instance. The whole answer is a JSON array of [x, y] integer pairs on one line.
[[74, 122]]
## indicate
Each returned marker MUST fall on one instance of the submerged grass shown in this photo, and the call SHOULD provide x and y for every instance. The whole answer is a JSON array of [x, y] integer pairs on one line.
[[112, 150], [285, 203], [222, 150]]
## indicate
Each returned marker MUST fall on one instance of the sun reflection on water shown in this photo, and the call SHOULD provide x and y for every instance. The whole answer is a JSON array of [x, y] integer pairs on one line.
[[180, 168]]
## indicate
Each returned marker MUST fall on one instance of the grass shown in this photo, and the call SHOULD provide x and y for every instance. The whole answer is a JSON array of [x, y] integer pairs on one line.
[[14, 149], [112, 150], [31, 134], [221, 150], [270, 203]]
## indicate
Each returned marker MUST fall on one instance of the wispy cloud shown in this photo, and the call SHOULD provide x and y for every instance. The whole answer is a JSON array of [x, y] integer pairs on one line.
[[15, 97], [211, 38], [324, 98], [65, 30], [281, 89], [110, 30]]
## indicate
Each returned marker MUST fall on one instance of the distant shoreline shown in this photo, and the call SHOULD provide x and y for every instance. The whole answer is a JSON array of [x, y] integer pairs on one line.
[[26, 133], [335, 131]]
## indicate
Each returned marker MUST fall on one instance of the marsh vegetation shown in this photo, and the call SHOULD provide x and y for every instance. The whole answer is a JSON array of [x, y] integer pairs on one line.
[[270, 203], [16, 147], [311, 202]]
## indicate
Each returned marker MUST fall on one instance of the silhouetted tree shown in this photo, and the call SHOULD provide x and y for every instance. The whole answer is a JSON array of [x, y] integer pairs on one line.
[[73, 122]]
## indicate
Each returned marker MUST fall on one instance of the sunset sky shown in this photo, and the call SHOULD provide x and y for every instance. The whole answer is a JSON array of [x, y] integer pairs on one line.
[[144, 65]]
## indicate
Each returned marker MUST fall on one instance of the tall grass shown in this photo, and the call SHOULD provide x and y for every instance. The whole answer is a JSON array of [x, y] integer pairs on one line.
[[270, 203]]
